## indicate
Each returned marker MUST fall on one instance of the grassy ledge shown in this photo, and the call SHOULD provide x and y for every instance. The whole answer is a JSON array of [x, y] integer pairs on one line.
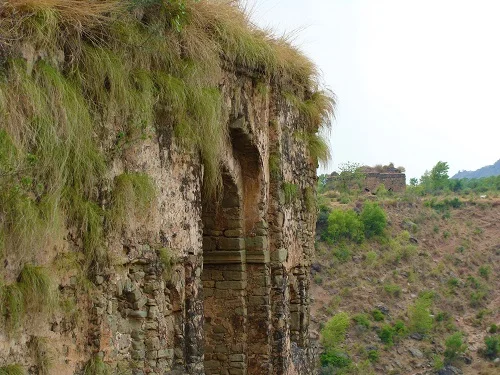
[[76, 71]]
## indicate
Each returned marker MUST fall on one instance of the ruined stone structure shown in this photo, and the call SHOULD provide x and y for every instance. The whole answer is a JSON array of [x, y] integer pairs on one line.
[[236, 300], [117, 256], [392, 181], [392, 178]]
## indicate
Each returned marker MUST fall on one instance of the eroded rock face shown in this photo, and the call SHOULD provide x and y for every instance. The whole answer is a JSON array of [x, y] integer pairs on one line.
[[236, 299]]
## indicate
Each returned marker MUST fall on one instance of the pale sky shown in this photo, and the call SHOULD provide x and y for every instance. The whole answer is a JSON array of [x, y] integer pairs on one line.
[[417, 81]]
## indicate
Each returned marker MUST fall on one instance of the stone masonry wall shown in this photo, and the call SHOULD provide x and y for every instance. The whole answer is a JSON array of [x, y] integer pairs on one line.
[[392, 181], [236, 300]]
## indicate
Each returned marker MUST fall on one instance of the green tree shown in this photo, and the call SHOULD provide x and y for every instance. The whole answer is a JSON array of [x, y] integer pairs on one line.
[[374, 219], [344, 225], [439, 175], [350, 176]]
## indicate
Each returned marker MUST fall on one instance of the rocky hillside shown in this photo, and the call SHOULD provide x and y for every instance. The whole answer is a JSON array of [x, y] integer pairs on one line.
[[420, 297], [488, 171]]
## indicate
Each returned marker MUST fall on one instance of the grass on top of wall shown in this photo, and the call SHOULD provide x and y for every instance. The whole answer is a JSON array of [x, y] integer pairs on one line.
[[94, 67]]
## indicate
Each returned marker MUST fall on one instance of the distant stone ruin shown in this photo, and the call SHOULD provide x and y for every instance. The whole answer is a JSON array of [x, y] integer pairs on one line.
[[370, 179], [392, 178]]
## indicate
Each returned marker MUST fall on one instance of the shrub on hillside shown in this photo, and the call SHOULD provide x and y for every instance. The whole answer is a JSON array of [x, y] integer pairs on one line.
[[374, 219], [492, 346], [344, 225], [334, 331], [421, 320], [455, 346]]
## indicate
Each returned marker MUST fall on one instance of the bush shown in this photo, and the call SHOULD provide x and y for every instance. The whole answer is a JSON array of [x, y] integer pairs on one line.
[[484, 272], [335, 359], [378, 315], [374, 219], [362, 320], [345, 225], [393, 290], [492, 349], [454, 347], [342, 253], [334, 331], [420, 318], [373, 355], [386, 334]]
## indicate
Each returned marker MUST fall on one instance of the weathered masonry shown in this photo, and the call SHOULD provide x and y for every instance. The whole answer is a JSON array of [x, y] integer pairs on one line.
[[237, 298], [116, 256]]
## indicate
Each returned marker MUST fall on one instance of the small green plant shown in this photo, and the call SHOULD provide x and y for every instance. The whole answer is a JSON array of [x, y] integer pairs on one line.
[[309, 199], [421, 320], [12, 370], [373, 355], [43, 356], [492, 346], [484, 272], [133, 194], [334, 331], [34, 291], [378, 315], [455, 346], [361, 320], [393, 290], [342, 253], [167, 260], [291, 192], [493, 328], [318, 279], [437, 362], [371, 257], [96, 366], [453, 282], [386, 334], [335, 359]]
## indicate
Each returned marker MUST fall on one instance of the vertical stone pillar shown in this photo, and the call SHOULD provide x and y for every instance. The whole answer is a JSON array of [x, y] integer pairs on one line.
[[224, 280], [259, 303], [280, 318]]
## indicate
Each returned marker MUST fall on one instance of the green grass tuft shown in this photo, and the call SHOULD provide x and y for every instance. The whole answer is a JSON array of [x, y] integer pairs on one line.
[[34, 291], [12, 370], [37, 288], [43, 357], [96, 366], [133, 194]]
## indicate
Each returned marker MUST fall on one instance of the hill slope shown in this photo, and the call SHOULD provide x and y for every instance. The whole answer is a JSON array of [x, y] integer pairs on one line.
[[489, 170], [434, 273]]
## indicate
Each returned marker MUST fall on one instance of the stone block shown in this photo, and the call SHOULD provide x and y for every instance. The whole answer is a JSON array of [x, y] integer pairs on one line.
[[224, 257], [237, 357], [138, 354], [209, 243], [279, 255], [153, 343], [138, 314], [231, 243], [233, 233], [233, 275], [234, 285], [256, 243]]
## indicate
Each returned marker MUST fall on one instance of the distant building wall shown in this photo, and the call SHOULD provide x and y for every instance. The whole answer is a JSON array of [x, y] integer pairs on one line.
[[392, 181]]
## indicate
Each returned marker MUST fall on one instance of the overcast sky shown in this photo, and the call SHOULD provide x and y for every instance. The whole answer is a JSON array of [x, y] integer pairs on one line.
[[417, 81]]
